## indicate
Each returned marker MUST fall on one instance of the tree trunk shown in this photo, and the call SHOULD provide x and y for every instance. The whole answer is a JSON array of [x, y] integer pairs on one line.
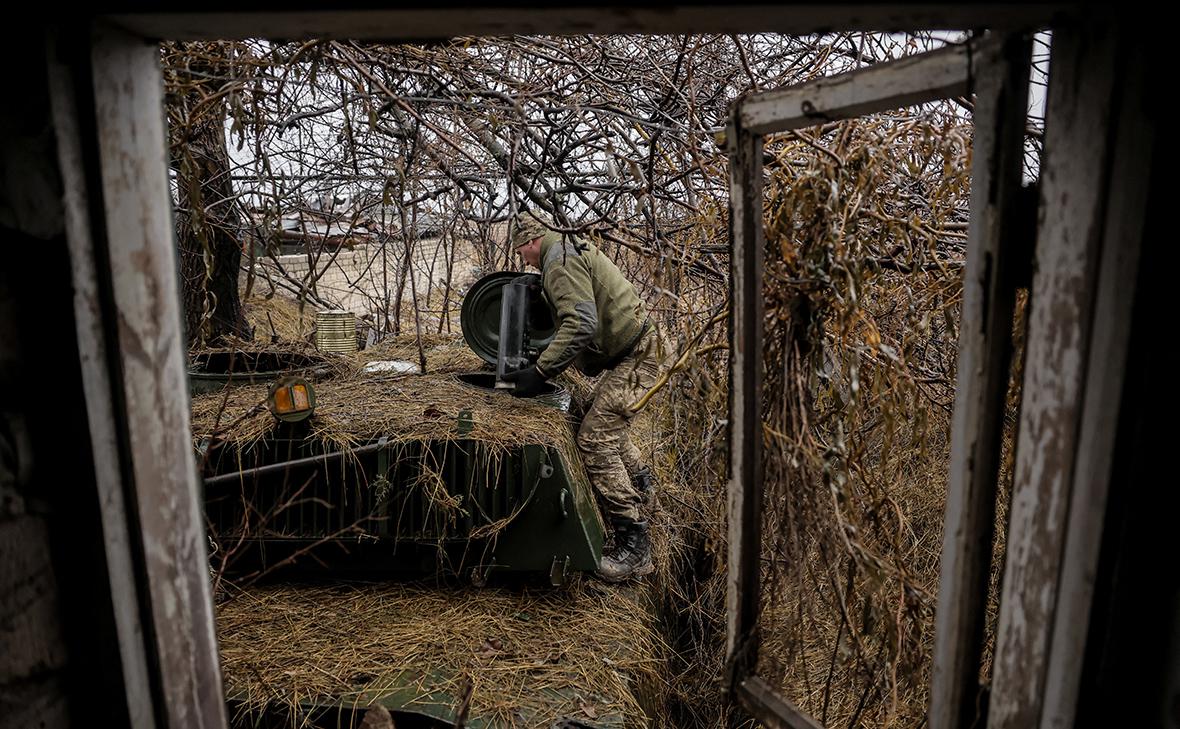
[[208, 223]]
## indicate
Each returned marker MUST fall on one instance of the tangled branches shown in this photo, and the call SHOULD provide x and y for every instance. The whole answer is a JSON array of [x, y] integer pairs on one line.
[[614, 136], [429, 150], [865, 245]]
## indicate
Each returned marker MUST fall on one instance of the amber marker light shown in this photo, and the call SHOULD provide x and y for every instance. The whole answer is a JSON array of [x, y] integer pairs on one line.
[[291, 399]]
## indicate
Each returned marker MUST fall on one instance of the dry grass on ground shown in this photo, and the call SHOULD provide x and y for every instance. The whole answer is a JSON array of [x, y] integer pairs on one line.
[[527, 657]]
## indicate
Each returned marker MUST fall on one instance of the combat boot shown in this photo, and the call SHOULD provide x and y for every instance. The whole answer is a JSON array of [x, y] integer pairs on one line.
[[644, 482], [631, 556]]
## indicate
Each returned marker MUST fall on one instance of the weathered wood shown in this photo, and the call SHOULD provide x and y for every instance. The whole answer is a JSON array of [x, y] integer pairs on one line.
[[97, 381], [745, 401], [771, 709], [991, 289], [913, 80], [989, 293], [443, 20], [1074, 192], [1127, 198], [128, 97]]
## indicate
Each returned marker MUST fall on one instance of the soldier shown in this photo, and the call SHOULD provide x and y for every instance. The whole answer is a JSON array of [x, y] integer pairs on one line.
[[602, 326]]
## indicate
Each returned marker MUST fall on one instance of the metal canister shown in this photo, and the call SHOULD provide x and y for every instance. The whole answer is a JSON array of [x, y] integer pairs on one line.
[[335, 331]]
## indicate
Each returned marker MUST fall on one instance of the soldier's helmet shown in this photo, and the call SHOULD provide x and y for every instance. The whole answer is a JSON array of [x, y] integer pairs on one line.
[[527, 226]]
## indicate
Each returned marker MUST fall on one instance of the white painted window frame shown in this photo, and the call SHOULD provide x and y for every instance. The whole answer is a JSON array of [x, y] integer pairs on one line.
[[995, 69], [1092, 200]]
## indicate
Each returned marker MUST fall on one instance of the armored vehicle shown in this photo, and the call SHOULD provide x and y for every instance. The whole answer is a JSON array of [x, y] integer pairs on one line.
[[385, 468]]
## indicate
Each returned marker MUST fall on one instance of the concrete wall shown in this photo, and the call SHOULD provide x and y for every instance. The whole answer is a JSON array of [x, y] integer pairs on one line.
[[360, 279]]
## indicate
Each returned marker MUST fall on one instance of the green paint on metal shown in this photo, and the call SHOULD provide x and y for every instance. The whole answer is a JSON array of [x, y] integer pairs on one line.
[[541, 532], [518, 511], [465, 423]]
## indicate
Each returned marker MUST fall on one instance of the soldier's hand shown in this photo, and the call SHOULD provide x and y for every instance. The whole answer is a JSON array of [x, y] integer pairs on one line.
[[532, 280], [529, 381]]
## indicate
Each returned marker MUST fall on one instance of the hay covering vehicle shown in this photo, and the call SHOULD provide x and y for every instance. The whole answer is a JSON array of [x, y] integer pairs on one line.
[[383, 467], [404, 459]]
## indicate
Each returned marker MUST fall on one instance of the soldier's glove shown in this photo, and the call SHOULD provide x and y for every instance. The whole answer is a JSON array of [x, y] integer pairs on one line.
[[532, 280], [529, 381]]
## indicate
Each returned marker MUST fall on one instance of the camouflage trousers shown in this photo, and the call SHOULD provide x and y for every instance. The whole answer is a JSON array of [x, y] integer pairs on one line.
[[604, 438]]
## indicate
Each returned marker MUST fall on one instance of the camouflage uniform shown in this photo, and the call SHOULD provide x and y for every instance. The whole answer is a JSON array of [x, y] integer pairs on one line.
[[602, 325], [604, 437]]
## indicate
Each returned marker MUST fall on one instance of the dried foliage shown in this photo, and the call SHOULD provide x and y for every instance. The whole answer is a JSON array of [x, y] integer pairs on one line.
[[517, 658], [616, 137], [280, 317], [429, 149], [357, 409], [443, 353], [865, 246]]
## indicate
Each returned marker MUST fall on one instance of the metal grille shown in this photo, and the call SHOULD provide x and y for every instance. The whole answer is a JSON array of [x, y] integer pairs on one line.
[[415, 492]]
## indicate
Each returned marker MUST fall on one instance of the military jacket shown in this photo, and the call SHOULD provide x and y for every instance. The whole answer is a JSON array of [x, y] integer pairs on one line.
[[598, 312]]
